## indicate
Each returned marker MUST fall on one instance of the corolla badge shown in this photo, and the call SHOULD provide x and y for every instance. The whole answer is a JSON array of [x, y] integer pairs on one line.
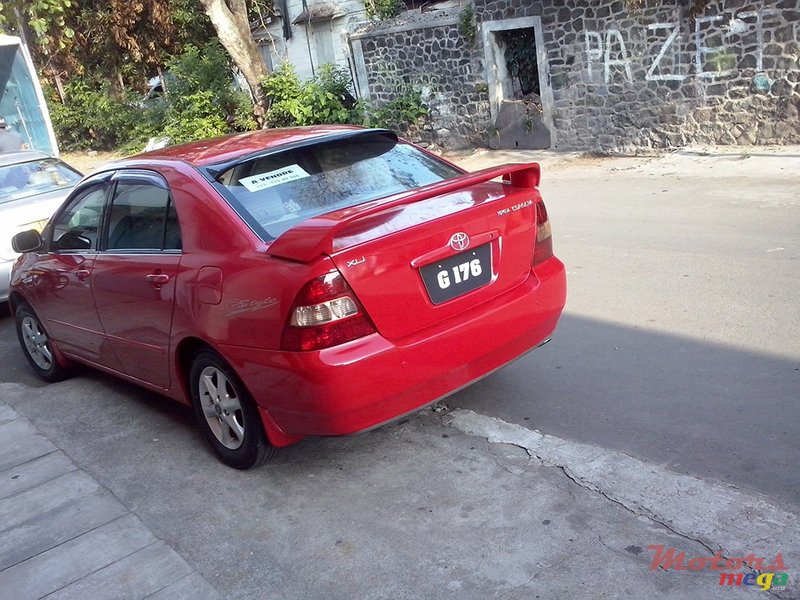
[[459, 241]]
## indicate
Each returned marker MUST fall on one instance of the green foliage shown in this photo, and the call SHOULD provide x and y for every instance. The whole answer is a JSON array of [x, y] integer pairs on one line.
[[329, 93], [696, 8], [466, 24], [193, 117], [200, 68], [121, 41], [93, 117], [327, 99], [324, 99], [243, 119], [45, 18], [201, 101], [191, 23], [383, 9], [402, 113], [150, 119], [283, 91]]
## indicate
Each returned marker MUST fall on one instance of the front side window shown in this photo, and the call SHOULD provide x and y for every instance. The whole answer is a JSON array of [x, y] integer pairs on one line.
[[277, 191], [77, 228], [142, 218]]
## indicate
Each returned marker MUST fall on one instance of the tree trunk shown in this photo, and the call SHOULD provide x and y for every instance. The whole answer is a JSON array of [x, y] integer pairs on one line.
[[229, 18]]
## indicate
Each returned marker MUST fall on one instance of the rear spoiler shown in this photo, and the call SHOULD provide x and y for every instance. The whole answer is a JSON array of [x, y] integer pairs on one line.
[[315, 236]]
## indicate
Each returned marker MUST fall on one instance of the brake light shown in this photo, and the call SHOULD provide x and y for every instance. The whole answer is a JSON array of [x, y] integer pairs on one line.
[[543, 248], [325, 313]]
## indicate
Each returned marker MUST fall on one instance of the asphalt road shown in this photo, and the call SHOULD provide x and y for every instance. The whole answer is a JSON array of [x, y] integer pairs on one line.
[[679, 344]]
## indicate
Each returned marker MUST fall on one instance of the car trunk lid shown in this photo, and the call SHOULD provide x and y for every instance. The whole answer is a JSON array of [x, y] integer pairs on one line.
[[424, 256]]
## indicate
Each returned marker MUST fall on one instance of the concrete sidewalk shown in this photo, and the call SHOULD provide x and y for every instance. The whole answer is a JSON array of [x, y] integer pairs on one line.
[[420, 509], [65, 536]]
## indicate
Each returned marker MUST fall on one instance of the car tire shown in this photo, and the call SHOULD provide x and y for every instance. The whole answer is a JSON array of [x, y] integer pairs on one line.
[[37, 346], [227, 414]]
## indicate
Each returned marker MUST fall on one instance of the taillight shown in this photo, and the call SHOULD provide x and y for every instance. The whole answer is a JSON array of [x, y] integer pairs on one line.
[[543, 249], [325, 313]]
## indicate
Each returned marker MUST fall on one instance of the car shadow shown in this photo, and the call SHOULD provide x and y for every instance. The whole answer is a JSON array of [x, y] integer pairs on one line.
[[697, 407]]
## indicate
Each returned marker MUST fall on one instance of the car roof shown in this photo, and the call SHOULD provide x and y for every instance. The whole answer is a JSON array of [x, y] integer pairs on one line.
[[15, 158], [230, 147]]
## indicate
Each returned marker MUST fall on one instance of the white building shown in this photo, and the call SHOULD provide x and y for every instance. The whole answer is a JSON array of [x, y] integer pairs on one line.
[[308, 34]]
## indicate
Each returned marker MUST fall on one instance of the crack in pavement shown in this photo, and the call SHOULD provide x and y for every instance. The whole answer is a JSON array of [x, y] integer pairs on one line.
[[708, 513], [539, 572], [587, 485], [642, 512]]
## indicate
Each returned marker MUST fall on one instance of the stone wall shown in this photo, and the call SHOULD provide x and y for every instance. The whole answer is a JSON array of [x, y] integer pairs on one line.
[[428, 53], [615, 79]]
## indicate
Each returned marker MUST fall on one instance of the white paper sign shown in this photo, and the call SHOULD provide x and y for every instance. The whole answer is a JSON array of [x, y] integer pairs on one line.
[[273, 178]]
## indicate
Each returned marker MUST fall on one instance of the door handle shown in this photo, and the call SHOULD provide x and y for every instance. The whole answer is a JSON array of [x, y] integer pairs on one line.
[[82, 274], [158, 278]]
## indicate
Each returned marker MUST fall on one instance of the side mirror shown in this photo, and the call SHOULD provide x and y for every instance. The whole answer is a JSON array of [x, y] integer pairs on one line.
[[26, 241], [73, 240]]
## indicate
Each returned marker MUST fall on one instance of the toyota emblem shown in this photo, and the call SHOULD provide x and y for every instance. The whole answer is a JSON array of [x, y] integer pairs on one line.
[[459, 241]]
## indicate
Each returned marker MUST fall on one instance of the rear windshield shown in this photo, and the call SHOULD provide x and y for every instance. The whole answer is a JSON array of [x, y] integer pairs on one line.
[[275, 192]]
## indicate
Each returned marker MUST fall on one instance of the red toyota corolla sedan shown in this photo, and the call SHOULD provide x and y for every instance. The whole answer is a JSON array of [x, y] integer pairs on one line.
[[295, 282]]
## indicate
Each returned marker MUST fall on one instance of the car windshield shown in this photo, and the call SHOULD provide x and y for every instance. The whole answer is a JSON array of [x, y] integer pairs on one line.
[[31, 178], [274, 192]]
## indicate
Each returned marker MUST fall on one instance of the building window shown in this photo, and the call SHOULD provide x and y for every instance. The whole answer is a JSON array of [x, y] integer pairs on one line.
[[265, 50], [323, 38]]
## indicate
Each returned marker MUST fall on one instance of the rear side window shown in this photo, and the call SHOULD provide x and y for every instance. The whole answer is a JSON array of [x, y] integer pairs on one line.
[[277, 191], [142, 218]]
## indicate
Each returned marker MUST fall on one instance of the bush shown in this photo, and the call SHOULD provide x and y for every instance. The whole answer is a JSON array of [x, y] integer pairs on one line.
[[207, 69], [401, 114], [324, 99], [92, 116], [150, 118], [201, 101], [383, 9], [283, 91], [193, 117], [327, 99]]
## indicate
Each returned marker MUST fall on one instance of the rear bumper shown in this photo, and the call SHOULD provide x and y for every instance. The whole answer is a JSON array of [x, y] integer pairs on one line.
[[372, 380]]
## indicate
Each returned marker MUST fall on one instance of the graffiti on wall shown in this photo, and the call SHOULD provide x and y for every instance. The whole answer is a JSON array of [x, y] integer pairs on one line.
[[710, 51], [609, 50]]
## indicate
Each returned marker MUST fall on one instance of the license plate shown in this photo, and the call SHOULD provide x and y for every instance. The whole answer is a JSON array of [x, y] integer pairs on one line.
[[449, 278]]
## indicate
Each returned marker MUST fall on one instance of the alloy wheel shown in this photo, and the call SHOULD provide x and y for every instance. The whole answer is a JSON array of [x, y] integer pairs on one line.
[[36, 343], [221, 407]]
